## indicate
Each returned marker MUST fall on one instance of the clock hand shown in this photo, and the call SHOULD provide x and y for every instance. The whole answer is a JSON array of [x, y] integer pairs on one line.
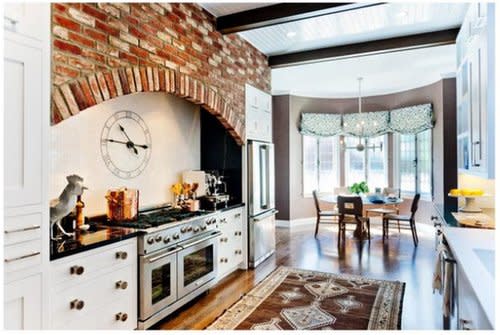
[[124, 132], [130, 144]]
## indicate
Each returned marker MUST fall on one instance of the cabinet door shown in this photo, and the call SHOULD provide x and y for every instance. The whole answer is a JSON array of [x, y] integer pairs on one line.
[[22, 124], [24, 19], [23, 304]]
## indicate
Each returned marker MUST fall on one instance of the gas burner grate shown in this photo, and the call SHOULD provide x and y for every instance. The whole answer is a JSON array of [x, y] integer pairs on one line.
[[160, 217]]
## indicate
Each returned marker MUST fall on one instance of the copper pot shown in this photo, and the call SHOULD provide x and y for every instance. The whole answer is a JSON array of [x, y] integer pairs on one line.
[[123, 204]]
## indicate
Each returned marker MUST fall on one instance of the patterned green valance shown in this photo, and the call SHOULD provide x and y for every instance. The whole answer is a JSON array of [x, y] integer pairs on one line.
[[411, 120], [366, 124], [320, 124], [406, 120]]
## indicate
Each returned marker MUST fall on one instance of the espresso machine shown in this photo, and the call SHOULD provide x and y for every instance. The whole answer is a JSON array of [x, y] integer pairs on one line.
[[216, 191]]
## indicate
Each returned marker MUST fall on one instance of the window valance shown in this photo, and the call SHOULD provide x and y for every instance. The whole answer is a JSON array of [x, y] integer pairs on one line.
[[406, 120], [412, 120], [374, 124], [320, 124]]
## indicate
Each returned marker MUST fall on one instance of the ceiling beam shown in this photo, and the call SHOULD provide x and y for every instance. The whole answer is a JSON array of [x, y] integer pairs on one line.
[[424, 40], [281, 13]]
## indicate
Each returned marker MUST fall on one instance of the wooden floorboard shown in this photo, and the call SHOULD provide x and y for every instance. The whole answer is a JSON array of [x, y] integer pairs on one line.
[[397, 259]]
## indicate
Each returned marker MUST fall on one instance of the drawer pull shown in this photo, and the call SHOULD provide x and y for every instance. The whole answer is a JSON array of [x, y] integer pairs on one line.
[[121, 284], [76, 270], [121, 317], [122, 254], [237, 252], [22, 229], [8, 260], [223, 260], [78, 304], [464, 323], [237, 233], [237, 215]]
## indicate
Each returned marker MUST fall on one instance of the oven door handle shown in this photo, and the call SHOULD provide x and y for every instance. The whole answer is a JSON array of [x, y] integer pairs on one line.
[[165, 254], [190, 244]]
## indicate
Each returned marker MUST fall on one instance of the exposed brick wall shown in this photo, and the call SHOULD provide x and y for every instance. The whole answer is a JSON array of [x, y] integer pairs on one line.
[[104, 50]]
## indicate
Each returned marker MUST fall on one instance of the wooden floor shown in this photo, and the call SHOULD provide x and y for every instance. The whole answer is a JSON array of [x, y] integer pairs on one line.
[[397, 259]]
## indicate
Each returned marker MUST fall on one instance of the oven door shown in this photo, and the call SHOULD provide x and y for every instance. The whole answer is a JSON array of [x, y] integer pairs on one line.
[[157, 288], [197, 263]]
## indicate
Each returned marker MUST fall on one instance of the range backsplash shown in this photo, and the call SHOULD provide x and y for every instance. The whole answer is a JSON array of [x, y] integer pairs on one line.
[[175, 131]]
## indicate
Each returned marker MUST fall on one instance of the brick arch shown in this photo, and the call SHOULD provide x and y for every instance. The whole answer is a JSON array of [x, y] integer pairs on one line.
[[72, 97]]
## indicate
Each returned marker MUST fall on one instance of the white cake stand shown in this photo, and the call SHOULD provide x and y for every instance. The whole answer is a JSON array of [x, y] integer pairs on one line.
[[470, 202]]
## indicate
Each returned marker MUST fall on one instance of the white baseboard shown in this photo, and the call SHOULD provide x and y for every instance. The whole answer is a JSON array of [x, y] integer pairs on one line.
[[302, 223]]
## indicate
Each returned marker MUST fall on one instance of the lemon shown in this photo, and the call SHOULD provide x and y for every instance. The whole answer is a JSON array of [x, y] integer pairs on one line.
[[455, 191]]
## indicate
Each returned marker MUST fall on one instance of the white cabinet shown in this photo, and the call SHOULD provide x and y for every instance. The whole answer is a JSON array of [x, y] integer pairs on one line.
[[258, 111], [470, 313], [231, 242], [96, 289], [22, 304], [475, 92], [26, 61]]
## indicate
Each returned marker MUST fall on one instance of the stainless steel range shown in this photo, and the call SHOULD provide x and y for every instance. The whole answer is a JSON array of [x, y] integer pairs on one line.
[[177, 260]]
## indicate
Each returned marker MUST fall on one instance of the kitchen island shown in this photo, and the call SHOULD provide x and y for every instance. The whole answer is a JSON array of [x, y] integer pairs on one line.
[[474, 252]]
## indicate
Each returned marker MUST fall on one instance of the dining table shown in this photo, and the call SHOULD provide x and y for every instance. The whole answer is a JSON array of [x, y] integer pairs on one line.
[[361, 231]]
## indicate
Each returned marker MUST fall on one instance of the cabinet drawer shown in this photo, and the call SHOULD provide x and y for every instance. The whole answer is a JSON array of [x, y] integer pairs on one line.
[[104, 317], [94, 294], [22, 255], [22, 228], [82, 267], [470, 313]]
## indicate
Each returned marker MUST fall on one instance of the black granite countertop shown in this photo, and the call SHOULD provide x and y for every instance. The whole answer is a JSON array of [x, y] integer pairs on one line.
[[231, 206], [98, 235]]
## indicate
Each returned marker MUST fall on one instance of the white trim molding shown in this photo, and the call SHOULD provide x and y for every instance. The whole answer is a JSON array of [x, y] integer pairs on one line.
[[297, 224]]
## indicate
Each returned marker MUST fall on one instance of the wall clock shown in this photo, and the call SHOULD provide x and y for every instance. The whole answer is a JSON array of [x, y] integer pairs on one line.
[[125, 144]]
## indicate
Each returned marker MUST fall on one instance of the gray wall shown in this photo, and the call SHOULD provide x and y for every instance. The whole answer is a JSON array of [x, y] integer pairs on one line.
[[286, 135]]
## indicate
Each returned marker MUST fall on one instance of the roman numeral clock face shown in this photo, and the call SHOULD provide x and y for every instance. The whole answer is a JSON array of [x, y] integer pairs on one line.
[[126, 144]]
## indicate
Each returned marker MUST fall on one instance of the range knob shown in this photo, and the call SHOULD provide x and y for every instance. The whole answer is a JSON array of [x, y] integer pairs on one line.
[[184, 229], [151, 240], [203, 227], [176, 236], [158, 238], [166, 239], [196, 229]]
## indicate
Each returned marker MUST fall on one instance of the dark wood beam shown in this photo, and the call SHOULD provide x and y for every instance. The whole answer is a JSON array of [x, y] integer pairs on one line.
[[281, 13], [423, 40]]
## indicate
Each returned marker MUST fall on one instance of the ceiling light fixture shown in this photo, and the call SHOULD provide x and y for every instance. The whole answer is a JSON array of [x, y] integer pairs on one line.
[[361, 146]]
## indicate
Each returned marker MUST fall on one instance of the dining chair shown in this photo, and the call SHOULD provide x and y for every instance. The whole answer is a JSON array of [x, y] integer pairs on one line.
[[321, 214], [403, 218], [351, 212]]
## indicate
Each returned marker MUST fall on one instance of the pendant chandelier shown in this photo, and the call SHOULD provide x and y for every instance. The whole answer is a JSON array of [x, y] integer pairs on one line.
[[361, 124]]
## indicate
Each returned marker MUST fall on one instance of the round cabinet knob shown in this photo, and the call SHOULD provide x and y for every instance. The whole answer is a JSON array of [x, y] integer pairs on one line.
[[166, 239], [77, 304], [158, 238], [122, 254], [121, 317], [176, 236], [121, 285], [76, 270], [151, 240]]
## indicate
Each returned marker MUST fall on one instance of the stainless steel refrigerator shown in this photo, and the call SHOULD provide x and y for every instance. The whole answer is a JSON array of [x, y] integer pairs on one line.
[[261, 205]]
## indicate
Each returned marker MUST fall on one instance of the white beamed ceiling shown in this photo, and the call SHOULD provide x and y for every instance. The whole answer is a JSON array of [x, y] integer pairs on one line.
[[360, 25]]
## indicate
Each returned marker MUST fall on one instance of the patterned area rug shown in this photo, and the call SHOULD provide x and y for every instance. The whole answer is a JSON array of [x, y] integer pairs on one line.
[[301, 299]]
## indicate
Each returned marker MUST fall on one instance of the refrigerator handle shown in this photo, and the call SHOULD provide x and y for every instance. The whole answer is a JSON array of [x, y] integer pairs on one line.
[[264, 184]]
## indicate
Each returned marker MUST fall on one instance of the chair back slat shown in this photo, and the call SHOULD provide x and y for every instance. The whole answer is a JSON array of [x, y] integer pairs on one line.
[[316, 202], [414, 204], [350, 205]]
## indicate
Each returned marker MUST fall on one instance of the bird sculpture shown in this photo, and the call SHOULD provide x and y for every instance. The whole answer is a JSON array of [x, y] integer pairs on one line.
[[66, 202]]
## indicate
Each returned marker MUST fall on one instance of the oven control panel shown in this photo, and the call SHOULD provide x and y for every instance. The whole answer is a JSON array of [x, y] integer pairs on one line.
[[160, 239]]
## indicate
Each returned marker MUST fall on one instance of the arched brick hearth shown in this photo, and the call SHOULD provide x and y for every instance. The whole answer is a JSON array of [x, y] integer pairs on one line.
[[77, 95]]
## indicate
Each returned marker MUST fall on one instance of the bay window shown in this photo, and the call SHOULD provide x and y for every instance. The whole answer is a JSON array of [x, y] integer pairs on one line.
[[320, 164]]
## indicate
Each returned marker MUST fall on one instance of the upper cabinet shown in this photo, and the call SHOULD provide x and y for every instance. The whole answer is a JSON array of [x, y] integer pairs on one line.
[[23, 18], [258, 112], [475, 91]]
